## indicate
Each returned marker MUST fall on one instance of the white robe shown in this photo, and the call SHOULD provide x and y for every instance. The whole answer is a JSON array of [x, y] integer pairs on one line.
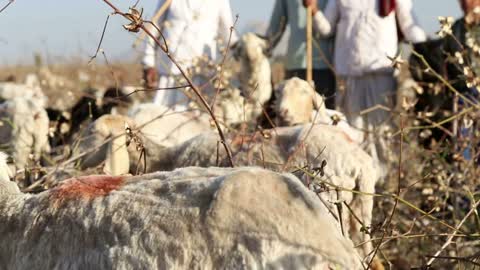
[[191, 28], [364, 42]]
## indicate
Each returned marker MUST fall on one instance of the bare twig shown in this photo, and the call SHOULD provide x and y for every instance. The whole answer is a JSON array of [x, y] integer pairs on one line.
[[390, 219], [450, 238], [219, 83], [6, 6], [101, 40]]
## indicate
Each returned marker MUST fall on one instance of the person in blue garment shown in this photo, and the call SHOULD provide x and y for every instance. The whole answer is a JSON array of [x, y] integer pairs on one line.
[[293, 14]]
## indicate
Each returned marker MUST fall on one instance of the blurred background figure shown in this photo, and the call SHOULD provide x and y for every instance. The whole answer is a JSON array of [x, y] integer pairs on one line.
[[366, 42], [191, 28], [292, 13], [464, 41], [463, 47]]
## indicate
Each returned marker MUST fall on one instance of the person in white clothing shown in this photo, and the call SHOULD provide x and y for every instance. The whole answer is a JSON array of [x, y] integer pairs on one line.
[[191, 28], [366, 42]]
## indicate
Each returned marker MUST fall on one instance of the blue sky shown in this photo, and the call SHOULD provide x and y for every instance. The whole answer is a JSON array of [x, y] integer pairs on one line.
[[62, 28]]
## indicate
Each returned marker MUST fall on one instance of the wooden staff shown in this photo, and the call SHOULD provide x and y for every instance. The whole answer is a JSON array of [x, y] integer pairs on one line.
[[309, 45], [155, 18]]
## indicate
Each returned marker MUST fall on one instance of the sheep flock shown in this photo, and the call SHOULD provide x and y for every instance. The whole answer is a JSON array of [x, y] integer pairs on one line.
[[110, 181]]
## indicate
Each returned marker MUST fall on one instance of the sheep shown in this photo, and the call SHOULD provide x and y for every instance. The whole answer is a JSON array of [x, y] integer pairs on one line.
[[288, 148], [191, 218], [91, 106], [104, 142], [348, 166], [256, 73], [246, 105], [298, 103], [24, 128], [11, 90]]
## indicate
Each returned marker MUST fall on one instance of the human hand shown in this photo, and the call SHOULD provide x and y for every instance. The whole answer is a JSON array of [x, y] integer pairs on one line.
[[150, 78], [311, 3]]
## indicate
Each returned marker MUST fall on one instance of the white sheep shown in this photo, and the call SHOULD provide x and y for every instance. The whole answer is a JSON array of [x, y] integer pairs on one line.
[[297, 102], [187, 219], [290, 148], [24, 127], [104, 142], [348, 166], [255, 73], [245, 105], [11, 90]]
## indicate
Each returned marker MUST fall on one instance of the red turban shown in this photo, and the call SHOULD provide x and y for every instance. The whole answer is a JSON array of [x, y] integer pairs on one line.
[[386, 7]]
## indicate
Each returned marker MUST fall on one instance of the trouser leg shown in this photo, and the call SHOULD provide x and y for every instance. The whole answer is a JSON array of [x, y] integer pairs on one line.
[[374, 92]]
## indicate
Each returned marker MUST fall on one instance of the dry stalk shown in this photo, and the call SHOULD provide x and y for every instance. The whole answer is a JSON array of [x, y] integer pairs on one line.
[[450, 238], [390, 219], [219, 84], [101, 40], [6, 6]]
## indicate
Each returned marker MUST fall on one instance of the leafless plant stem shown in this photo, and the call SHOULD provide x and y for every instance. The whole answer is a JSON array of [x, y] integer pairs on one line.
[[6, 6]]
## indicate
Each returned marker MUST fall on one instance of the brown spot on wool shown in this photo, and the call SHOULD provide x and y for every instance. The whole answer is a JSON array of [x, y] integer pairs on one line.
[[86, 187]]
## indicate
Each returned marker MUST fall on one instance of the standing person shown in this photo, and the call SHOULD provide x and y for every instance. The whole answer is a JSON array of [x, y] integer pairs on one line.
[[366, 41], [191, 28], [292, 13]]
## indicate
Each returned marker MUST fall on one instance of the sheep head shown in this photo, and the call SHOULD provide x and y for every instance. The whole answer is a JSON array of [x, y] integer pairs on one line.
[[251, 48], [296, 101], [255, 75]]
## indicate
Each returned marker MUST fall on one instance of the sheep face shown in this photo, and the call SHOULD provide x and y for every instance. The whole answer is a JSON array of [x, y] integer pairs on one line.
[[250, 48], [296, 100], [256, 74]]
